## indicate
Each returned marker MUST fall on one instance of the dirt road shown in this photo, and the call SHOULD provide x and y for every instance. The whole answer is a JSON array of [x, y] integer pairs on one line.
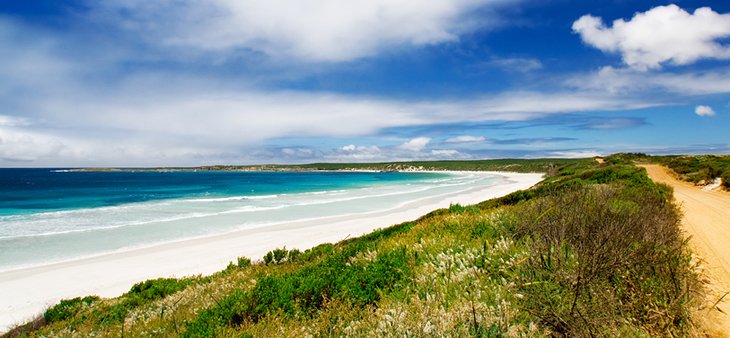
[[707, 221]]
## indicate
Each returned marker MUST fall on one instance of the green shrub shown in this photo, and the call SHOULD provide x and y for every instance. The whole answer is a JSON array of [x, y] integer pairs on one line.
[[458, 209], [142, 293], [316, 252], [279, 255], [156, 288], [68, 308], [294, 255], [269, 258], [244, 262]]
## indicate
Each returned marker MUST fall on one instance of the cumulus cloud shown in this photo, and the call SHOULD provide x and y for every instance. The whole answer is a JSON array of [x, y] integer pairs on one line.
[[663, 34], [318, 30], [704, 111], [417, 144], [465, 139]]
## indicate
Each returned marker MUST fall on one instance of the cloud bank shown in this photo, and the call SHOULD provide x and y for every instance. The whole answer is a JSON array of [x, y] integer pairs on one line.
[[313, 30], [663, 34]]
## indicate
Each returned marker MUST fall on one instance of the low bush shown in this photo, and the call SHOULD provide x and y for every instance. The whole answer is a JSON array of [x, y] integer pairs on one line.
[[142, 293], [68, 308], [306, 290], [698, 168], [602, 255], [244, 262]]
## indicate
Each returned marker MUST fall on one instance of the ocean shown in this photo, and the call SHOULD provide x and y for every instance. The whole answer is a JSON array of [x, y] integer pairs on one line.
[[52, 215]]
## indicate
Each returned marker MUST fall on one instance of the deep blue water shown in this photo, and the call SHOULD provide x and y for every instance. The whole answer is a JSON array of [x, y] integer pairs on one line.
[[25, 191]]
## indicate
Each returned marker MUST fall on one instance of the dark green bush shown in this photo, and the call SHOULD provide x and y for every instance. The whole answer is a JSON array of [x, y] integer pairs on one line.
[[279, 255], [294, 255], [156, 288], [142, 293], [244, 262], [68, 308], [458, 209], [269, 258]]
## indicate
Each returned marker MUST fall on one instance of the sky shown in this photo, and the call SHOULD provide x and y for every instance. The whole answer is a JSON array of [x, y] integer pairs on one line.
[[185, 83]]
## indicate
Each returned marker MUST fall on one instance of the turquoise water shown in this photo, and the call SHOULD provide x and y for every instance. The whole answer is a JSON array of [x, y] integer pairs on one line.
[[54, 215]]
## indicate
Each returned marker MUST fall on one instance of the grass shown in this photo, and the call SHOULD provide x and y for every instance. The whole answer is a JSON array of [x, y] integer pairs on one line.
[[594, 250]]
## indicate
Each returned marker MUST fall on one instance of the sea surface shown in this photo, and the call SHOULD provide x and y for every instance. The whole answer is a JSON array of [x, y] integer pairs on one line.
[[51, 215]]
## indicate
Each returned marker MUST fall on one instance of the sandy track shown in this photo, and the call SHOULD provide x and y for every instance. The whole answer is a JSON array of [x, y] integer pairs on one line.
[[707, 221]]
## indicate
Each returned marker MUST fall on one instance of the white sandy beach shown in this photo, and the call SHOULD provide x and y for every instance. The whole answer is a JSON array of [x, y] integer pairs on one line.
[[26, 293]]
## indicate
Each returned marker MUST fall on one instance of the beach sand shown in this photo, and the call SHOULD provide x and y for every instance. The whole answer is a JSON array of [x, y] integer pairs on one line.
[[26, 293]]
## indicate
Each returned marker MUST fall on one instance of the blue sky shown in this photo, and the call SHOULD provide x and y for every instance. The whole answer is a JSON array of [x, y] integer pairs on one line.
[[147, 83]]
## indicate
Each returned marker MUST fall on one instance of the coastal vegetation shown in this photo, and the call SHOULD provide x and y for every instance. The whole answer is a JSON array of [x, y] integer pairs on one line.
[[549, 166], [700, 169], [696, 169], [593, 250]]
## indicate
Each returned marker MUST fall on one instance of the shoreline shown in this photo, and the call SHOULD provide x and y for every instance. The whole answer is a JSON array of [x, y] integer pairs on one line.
[[27, 292]]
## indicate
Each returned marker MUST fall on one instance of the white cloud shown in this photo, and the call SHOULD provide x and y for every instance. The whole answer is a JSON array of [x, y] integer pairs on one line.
[[349, 148], [415, 145], [630, 81], [189, 123], [574, 154], [448, 153], [13, 121], [465, 139], [355, 153], [318, 30], [704, 111], [518, 64], [660, 35]]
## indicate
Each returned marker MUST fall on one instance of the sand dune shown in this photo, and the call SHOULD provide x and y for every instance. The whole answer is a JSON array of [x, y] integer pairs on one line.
[[707, 221]]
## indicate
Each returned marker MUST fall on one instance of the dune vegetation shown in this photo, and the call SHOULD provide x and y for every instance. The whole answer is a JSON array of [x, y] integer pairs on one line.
[[593, 250], [696, 169]]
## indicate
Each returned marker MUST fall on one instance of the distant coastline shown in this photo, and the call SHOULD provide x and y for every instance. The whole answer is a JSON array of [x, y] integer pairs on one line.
[[501, 165]]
